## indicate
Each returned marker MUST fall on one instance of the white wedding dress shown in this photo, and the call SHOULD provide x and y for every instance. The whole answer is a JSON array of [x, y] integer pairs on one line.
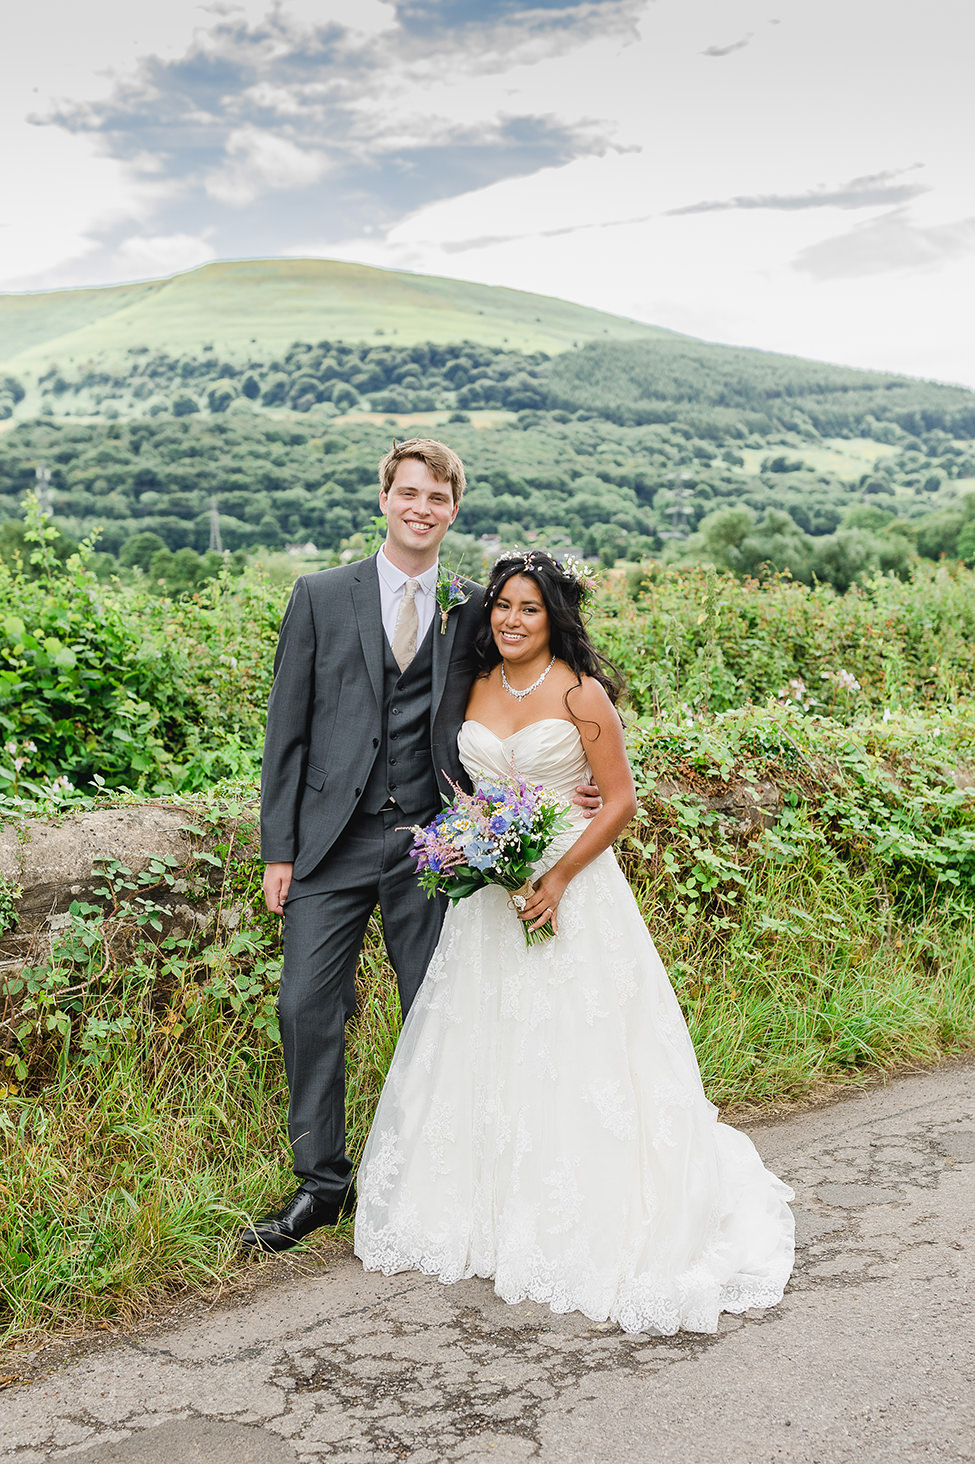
[[543, 1122]]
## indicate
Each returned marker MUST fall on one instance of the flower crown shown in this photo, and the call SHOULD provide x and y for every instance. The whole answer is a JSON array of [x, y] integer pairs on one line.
[[570, 568]]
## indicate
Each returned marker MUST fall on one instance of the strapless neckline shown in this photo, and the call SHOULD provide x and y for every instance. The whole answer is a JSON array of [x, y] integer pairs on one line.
[[473, 722]]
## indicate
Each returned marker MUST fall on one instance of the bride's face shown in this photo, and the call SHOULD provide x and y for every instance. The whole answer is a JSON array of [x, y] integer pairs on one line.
[[519, 621]]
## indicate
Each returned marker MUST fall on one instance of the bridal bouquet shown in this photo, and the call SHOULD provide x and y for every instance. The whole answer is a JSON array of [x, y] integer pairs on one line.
[[495, 835]]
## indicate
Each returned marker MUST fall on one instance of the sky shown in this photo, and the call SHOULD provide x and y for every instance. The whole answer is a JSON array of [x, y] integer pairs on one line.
[[793, 175]]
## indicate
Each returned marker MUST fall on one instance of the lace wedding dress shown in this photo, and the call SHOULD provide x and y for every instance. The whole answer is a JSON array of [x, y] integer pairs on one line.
[[543, 1122]]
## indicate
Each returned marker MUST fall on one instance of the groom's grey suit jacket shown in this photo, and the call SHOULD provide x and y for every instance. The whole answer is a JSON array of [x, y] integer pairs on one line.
[[325, 711]]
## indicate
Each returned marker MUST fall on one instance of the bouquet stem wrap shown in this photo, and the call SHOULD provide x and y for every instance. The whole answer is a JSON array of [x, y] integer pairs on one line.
[[518, 900]]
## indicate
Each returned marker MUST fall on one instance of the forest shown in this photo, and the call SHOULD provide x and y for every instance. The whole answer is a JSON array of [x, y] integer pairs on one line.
[[621, 450]]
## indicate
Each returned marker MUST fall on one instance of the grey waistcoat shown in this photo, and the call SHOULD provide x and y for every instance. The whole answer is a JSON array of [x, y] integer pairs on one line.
[[404, 768]]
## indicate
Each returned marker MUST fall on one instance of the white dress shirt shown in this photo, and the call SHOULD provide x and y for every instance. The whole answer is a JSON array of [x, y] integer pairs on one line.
[[392, 584]]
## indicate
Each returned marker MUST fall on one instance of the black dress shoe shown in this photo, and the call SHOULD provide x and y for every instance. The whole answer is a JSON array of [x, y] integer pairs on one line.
[[303, 1213]]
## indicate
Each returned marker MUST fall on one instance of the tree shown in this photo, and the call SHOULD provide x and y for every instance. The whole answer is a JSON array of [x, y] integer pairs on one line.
[[776, 544], [275, 389], [965, 547], [184, 404], [11, 387], [866, 516], [220, 397], [345, 397], [720, 535], [138, 552], [844, 557]]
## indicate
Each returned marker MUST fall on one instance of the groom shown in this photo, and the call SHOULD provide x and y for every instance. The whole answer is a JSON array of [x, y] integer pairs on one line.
[[370, 686]]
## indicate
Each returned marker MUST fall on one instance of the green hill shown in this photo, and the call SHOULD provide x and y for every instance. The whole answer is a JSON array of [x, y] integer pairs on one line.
[[256, 307]]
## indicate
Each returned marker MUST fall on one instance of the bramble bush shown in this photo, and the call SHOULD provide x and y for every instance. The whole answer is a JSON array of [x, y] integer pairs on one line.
[[108, 687]]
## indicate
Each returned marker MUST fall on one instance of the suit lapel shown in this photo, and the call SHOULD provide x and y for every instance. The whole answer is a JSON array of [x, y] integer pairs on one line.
[[369, 619]]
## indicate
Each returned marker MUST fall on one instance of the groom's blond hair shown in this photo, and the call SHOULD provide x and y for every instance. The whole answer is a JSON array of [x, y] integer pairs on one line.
[[441, 460]]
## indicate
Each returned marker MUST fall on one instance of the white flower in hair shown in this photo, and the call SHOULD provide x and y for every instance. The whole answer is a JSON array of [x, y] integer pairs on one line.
[[583, 574]]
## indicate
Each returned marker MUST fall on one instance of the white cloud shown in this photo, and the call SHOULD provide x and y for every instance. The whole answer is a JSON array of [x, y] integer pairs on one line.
[[57, 196], [361, 17], [259, 160]]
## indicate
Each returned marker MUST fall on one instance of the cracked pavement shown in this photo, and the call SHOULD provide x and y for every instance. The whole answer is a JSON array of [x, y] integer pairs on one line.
[[871, 1355]]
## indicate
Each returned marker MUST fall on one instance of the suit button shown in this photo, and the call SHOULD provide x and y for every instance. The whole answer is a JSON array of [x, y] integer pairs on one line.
[[392, 737], [357, 792], [392, 762], [375, 742], [391, 787], [396, 711]]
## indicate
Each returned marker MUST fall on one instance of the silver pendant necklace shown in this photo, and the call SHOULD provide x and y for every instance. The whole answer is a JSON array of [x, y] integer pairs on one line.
[[518, 695]]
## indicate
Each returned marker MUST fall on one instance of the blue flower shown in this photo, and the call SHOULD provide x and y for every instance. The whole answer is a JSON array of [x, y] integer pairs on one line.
[[480, 855]]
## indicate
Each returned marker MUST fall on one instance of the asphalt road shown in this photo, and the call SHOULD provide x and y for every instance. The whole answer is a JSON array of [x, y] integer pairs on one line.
[[871, 1356]]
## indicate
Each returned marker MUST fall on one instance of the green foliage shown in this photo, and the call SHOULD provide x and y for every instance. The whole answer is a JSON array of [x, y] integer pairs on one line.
[[880, 796], [101, 686], [687, 638], [17, 554], [9, 896]]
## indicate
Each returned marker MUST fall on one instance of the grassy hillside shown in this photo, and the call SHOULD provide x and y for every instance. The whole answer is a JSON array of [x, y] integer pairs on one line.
[[266, 304]]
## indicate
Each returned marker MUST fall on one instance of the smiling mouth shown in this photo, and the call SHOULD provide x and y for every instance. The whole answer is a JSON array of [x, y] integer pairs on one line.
[[511, 637], [417, 526]]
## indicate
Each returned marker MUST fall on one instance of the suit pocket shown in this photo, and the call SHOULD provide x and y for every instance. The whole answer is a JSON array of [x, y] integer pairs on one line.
[[315, 777]]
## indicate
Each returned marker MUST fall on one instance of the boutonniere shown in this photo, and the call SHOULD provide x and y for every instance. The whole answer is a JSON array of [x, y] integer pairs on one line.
[[450, 594]]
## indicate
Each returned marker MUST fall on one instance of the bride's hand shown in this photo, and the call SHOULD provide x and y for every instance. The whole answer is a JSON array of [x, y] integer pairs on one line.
[[543, 904]]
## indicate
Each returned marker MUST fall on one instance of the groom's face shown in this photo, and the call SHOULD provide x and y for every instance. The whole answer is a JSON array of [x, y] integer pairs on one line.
[[419, 510]]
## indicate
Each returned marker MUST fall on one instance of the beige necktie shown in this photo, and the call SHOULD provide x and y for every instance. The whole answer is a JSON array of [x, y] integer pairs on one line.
[[407, 624]]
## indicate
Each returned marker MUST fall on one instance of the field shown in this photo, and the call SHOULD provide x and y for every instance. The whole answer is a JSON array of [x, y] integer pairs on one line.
[[804, 855]]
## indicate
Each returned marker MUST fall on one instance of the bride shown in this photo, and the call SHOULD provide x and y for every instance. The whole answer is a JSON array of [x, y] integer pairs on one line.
[[543, 1122]]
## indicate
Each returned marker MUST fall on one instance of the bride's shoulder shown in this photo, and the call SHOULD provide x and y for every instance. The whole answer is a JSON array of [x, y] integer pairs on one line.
[[587, 699]]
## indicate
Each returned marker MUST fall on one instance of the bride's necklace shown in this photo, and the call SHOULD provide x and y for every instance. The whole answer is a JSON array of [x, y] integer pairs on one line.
[[519, 695]]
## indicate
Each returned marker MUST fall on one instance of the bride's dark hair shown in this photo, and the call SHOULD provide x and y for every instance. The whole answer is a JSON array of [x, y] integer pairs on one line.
[[563, 595]]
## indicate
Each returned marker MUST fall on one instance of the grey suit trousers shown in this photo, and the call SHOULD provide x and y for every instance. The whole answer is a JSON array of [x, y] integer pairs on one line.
[[325, 918]]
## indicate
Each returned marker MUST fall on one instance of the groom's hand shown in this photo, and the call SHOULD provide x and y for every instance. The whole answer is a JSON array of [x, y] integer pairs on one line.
[[588, 799], [277, 880]]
